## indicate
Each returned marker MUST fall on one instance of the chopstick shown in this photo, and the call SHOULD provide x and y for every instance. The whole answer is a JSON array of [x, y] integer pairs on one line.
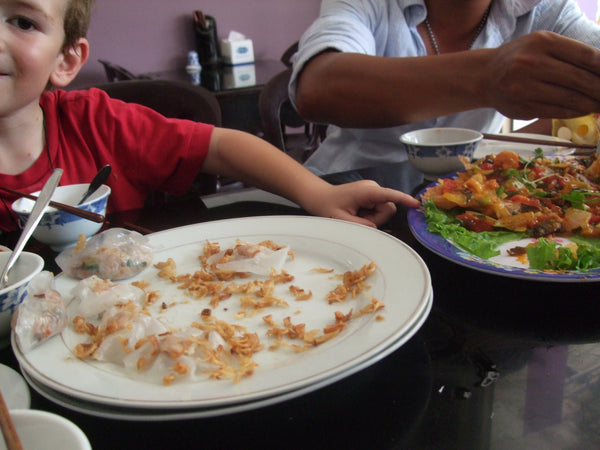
[[138, 228], [94, 217], [200, 19], [9, 431], [525, 140]]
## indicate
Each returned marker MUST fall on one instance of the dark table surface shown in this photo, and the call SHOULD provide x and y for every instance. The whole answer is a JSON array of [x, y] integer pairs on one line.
[[500, 363]]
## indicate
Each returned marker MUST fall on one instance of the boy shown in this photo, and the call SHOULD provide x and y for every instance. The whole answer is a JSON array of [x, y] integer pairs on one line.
[[42, 44]]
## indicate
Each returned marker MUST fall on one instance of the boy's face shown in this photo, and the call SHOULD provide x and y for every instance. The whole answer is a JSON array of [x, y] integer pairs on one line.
[[31, 38]]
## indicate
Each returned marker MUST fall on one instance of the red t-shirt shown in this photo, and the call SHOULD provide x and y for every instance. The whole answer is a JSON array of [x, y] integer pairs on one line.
[[87, 129]]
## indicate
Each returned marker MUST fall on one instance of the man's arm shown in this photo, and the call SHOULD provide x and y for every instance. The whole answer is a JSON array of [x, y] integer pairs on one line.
[[541, 74]]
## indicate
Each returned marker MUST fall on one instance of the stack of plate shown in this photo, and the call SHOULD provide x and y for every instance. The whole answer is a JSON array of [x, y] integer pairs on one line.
[[401, 281]]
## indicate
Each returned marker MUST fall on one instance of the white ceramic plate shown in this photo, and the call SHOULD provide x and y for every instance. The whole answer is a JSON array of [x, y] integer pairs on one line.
[[488, 146], [14, 389], [162, 414], [401, 281]]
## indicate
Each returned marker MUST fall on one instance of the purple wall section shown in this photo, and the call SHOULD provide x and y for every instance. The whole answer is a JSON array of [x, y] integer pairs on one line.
[[589, 7], [152, 35]]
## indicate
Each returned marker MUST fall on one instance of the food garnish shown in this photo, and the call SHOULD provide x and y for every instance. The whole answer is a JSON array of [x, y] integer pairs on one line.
[[127, 330]]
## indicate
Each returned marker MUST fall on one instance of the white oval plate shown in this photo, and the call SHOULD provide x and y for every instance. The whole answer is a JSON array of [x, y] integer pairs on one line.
[[401, 281], [491, 147]]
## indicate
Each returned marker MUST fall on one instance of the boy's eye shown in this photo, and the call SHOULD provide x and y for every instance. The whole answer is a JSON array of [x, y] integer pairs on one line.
[[23, 23]]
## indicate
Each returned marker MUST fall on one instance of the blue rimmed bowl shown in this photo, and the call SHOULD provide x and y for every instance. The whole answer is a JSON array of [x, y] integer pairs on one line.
[[27, 266], [61, 229], [436, 151]]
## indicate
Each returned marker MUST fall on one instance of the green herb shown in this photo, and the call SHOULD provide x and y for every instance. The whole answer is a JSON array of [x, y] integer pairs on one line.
[[585, 241], [521, 177], [576, 198], [542, 255], [91, 266], [579, 197], [549, 255], [134, 263]]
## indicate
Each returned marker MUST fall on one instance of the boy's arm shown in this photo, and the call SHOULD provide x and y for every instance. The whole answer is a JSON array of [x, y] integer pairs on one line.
[[247, 158]]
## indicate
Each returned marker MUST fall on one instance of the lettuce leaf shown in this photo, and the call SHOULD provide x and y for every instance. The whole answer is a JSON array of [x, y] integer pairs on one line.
[[544, 255], [549, 255], [484, 244]]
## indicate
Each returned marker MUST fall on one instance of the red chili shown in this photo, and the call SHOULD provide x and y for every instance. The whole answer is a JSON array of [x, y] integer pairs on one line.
[[534, 202], [450, 185], [538, 172], [594, 219], [474, 223]]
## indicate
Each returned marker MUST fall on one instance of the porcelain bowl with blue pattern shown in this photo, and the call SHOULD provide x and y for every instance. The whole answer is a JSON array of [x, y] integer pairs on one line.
[[27, 266], [60, 229], [436, 151]]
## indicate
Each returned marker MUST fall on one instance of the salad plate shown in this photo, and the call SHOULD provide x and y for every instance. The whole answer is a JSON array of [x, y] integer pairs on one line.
[[401, 281], [502, 264]]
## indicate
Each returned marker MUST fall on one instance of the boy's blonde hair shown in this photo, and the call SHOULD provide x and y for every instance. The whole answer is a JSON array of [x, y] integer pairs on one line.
[[77, 21]]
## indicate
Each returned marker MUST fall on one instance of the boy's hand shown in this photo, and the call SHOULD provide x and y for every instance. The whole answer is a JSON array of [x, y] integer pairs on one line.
[[363, 202]]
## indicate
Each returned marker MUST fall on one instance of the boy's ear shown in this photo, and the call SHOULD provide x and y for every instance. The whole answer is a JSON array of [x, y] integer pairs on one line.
[[69, 63]]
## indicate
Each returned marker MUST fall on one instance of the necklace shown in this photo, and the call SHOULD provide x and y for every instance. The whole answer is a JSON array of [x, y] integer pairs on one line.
[[478, 31]]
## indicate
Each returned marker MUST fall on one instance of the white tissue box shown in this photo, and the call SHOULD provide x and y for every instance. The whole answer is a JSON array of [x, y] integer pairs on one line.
[[237, 52], [239, 76]]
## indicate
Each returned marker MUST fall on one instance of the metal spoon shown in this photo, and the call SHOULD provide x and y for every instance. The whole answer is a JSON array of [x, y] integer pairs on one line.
[[97, 181], [34, 218]]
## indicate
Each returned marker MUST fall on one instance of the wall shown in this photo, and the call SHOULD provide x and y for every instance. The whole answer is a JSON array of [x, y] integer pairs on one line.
[[151, 35], [589, 7]]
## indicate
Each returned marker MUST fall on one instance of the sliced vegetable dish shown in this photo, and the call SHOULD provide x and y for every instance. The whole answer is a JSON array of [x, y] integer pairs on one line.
[[506, 197]]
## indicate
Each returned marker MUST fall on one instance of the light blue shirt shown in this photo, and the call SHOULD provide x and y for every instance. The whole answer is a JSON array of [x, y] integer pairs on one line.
[[389, 28]]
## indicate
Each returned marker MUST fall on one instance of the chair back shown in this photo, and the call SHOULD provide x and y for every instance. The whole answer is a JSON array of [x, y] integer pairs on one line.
[[115, 72], [279, 117], [288, 54], [173, 99]]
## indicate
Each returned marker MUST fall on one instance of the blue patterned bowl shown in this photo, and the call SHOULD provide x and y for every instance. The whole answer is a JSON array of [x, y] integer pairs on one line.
[[436, 151], [60, 229], [27, 266]]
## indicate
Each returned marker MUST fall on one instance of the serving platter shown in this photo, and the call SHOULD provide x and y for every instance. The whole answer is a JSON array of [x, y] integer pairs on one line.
[[401, 281], [502, 265]]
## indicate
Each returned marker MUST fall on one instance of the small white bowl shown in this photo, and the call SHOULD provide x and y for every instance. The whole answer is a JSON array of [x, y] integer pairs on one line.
[[27, 266], [60, 229], [435, 151], [48, 431]]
